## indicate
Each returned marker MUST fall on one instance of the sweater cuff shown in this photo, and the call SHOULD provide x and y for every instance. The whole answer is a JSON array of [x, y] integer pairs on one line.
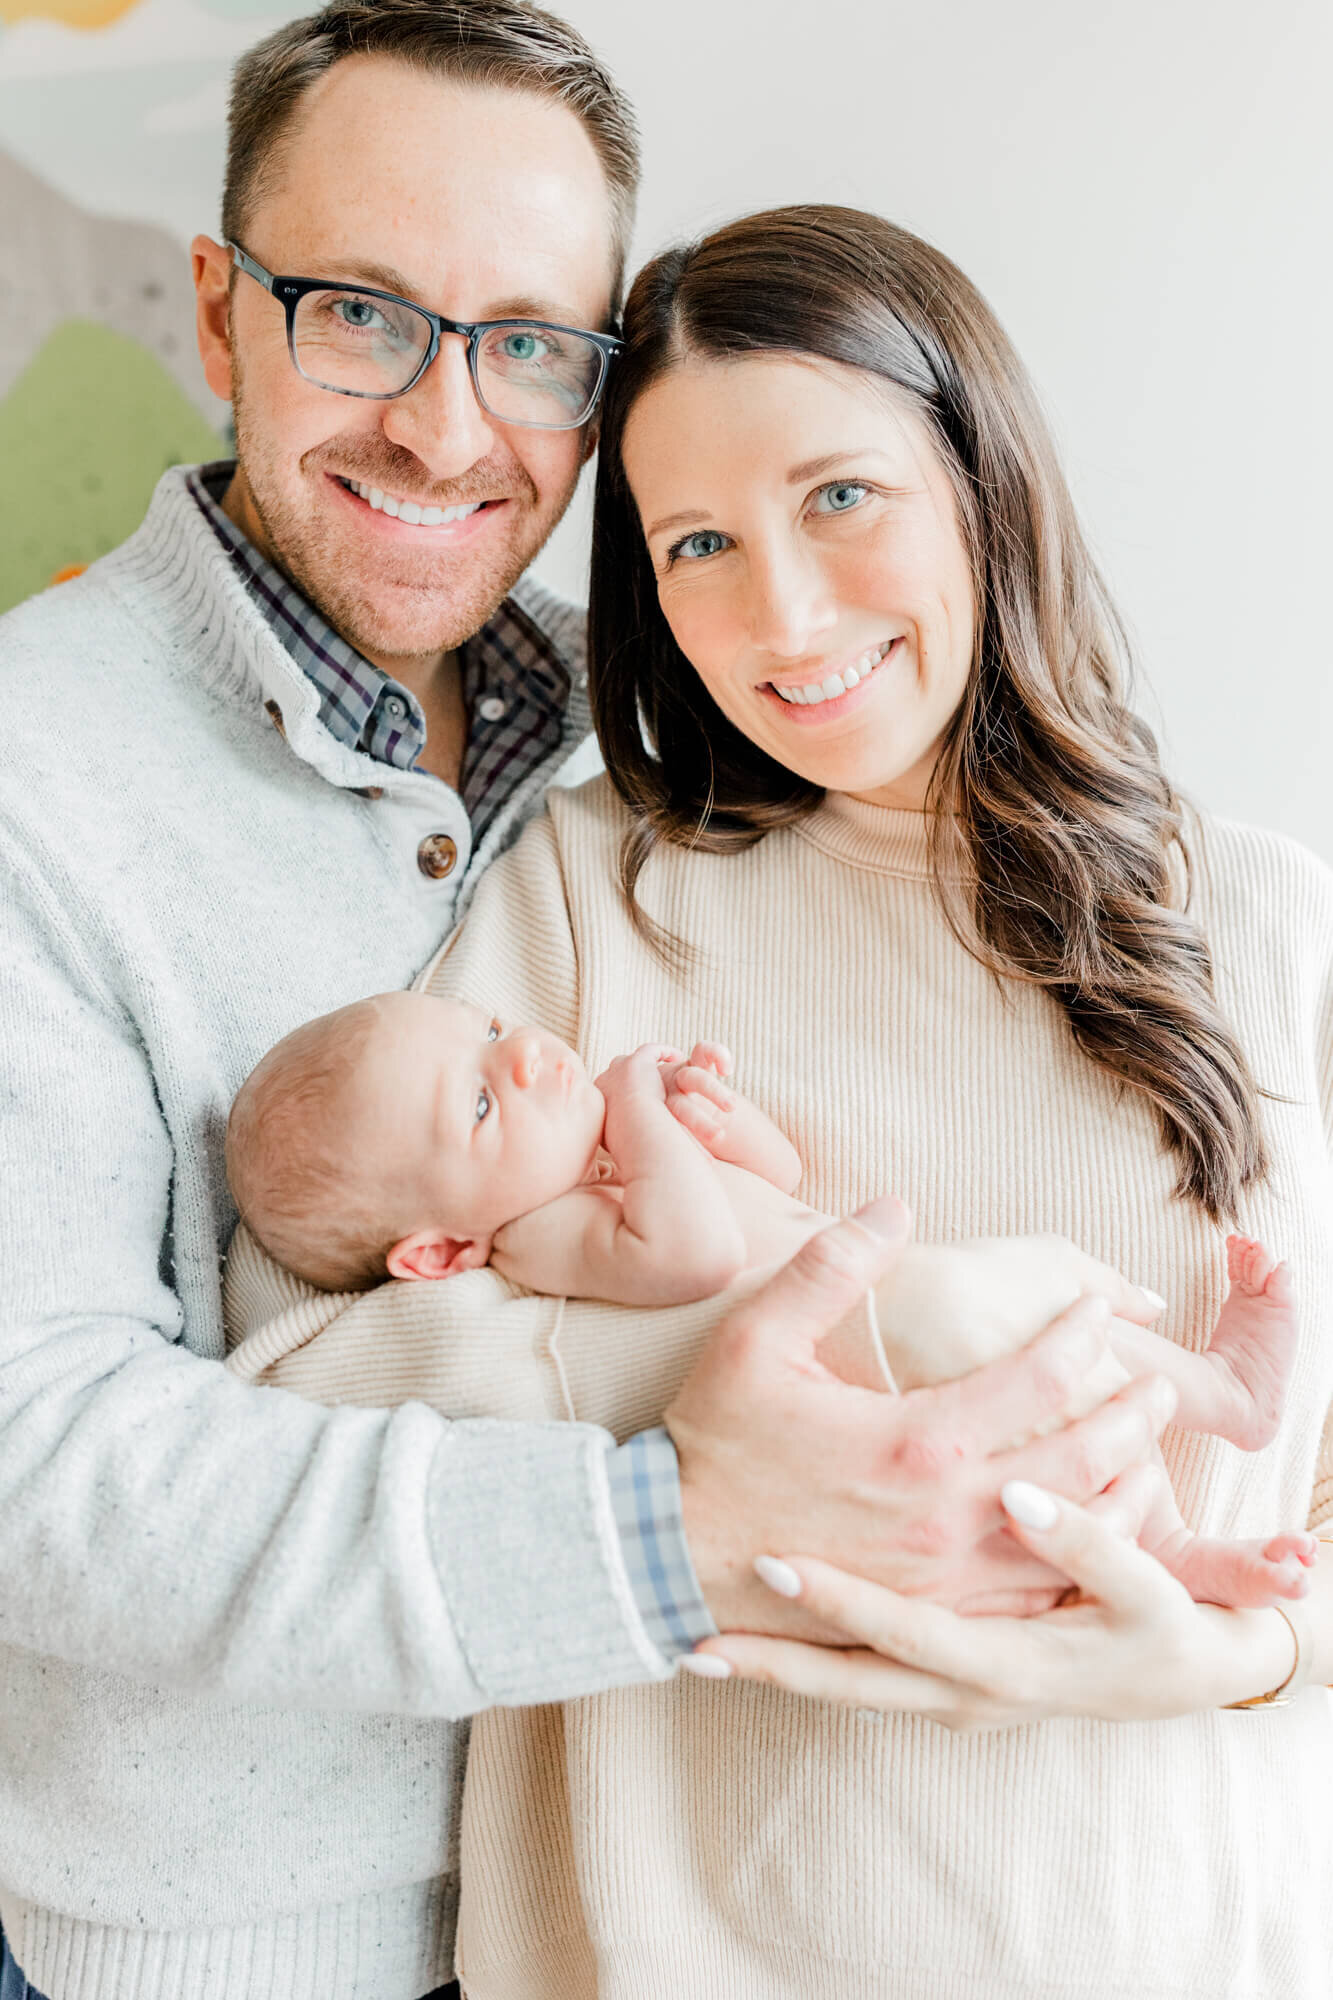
[[645, 1496], [530, 1563]]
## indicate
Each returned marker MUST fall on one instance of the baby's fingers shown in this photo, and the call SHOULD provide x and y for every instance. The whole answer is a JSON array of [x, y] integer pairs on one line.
[[712, 1055], [703, 1083]]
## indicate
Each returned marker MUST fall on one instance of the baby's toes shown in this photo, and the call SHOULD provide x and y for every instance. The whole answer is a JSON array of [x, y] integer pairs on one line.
[[1303, 1547], [1249, 1264]]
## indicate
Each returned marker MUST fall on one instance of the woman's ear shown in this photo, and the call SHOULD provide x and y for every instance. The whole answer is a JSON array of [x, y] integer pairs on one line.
[[432, 1254]]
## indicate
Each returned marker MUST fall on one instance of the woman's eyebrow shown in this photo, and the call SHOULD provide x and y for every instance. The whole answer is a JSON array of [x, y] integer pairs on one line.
[[810, 468], [677, 520]]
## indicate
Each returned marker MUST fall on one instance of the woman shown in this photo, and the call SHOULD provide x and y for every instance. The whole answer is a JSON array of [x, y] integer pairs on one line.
[[889, 829]]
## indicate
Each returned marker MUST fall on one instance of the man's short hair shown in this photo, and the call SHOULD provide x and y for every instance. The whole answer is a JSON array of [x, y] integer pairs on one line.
[[496, 44]]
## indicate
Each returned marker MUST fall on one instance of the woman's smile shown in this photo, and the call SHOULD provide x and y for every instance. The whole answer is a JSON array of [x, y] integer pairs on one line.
[[827, 694]]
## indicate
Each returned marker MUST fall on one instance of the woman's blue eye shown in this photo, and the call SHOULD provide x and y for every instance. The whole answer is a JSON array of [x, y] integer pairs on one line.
[[483, 1105], [843, 496], [703, 542]]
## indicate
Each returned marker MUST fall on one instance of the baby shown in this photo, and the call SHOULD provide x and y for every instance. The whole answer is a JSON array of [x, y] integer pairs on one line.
[[416, 1137]]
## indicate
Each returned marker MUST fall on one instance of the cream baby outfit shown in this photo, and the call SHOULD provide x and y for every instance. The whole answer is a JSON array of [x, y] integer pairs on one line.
[[737, 1842]]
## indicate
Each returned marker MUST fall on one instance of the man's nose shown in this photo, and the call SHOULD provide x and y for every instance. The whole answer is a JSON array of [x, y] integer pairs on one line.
[[525, 1059], [440, 420], [791, 607]]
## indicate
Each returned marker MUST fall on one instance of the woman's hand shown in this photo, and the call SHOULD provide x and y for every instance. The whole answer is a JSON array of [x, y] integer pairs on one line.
[[1133, 1646]]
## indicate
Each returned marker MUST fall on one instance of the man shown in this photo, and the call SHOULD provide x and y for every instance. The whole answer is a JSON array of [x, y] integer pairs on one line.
[[257, 759]]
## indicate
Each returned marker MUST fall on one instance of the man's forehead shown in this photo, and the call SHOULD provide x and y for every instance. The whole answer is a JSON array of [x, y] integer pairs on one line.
[[474, 200]]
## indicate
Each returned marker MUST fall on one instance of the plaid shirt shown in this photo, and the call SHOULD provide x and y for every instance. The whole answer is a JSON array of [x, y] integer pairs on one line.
[[515, 686], [515, 689]]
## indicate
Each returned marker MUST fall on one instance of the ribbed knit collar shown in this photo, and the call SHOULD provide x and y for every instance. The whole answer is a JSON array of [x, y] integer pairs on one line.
[[877, 838]]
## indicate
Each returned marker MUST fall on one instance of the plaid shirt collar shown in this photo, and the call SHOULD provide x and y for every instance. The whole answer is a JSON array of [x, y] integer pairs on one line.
[[515, 686]]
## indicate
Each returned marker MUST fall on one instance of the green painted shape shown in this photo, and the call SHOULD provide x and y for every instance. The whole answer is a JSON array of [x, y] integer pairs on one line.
[[86, 432]]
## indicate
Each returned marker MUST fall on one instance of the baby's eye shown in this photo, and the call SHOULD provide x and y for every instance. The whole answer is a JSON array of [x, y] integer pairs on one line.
[[493, 1032], [483, 1105], [841, 496]]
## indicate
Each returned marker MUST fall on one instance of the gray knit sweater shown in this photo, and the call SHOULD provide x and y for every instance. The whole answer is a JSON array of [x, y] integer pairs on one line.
[[232, 1623]]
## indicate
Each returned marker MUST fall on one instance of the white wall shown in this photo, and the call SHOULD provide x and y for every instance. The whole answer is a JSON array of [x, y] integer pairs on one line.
[[1143, 190]]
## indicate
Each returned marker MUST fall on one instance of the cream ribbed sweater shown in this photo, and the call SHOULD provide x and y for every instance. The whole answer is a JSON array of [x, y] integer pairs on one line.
[[734, 1841]]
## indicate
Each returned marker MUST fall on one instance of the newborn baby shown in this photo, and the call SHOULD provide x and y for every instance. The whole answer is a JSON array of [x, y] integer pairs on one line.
[[416, 1137]]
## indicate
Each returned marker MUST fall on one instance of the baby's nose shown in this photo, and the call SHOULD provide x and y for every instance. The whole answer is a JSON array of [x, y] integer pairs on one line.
[[527, 1061]]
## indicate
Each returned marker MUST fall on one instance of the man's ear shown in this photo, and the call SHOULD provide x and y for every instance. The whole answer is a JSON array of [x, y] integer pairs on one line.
[[212, 287], [432, 1254]]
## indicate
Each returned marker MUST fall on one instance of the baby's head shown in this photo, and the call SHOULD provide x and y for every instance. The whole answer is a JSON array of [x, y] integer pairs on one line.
[[394, 1137]]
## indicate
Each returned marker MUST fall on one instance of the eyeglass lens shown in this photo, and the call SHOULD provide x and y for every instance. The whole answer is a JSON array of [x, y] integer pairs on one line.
[[525, 374]]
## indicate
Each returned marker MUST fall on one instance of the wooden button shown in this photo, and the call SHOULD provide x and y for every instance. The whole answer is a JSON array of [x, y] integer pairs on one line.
[[437, 856]]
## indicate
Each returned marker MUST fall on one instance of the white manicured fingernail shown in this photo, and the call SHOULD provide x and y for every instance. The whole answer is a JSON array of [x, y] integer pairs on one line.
[[1028, 1504], [1154, 1298], [779, 1576], [707, 1665]]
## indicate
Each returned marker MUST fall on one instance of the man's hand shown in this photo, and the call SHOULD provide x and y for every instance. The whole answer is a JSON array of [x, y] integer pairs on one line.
[[777, 1453]]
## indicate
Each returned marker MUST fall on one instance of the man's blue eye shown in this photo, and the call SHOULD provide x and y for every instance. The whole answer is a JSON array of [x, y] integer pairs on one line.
[[356, 312], [704, 542], [483, 1105]]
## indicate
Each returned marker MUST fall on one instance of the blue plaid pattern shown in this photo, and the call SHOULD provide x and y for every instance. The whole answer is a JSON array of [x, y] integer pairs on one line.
[[645, 1496], [516, 688], [515, 685]]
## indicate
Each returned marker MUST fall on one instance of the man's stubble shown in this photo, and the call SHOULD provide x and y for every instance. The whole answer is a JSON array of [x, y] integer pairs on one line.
[[438, 603]]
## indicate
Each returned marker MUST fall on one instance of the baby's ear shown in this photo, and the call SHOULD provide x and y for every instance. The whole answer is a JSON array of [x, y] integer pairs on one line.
[[432, 1254]]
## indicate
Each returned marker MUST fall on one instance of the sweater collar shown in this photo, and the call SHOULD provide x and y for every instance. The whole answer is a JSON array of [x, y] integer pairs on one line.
[[880, 839]]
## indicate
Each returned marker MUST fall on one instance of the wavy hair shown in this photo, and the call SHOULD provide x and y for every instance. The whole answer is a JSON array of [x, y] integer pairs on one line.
[[1056, 838]]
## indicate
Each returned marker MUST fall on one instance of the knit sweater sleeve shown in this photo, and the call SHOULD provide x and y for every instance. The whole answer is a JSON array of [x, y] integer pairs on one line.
[[161, 1518]]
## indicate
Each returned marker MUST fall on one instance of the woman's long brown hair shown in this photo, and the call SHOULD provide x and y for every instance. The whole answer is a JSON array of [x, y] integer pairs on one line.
[[1056, 837]]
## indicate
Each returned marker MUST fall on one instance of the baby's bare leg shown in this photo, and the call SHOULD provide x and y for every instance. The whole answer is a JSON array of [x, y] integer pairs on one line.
[[1234, 1389]]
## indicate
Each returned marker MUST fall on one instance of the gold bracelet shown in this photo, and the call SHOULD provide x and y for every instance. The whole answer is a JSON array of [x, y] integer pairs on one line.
[[1287, 1690], [1294, 1613]]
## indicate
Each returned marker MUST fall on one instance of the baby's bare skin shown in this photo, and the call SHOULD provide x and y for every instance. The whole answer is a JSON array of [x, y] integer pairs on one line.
[[984, 1299]]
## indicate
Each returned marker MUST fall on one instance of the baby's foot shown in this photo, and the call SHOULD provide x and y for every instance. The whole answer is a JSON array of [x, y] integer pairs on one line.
[[1247, 1576], [1253, 1343]]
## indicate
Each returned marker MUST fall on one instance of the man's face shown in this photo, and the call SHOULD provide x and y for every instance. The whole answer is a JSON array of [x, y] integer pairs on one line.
[[480, 204]]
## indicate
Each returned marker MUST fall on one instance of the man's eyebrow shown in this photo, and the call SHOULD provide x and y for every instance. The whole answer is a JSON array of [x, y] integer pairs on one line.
[[523, 306]]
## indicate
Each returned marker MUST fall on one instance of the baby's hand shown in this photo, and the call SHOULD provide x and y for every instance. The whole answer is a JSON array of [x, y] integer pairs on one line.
[[697, 1094], [641, 1074]]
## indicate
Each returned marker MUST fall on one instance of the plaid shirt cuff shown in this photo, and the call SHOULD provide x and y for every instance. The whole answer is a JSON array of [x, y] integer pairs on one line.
[[645, 1495]]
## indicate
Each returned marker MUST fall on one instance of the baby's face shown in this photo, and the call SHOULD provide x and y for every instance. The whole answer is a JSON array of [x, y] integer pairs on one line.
[[488, 1120]]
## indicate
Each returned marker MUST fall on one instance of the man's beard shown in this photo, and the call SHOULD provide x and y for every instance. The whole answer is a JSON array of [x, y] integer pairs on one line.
[[438, 604]]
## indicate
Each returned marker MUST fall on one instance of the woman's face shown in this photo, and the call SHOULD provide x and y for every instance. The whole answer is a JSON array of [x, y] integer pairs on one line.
[[809, 562]]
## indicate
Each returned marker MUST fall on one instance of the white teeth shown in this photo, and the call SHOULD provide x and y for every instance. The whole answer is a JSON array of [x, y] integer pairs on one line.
[[410, 510], [814, 692]]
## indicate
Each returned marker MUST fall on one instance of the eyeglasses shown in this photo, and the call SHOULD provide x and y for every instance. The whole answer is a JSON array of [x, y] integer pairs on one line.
[[357, 341]]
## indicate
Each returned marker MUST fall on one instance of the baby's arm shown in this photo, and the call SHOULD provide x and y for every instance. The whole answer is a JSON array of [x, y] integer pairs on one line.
[[727, 1124], [665, 1236]]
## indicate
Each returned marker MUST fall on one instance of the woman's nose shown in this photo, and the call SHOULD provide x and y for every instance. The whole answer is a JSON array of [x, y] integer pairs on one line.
[[791, 605]]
